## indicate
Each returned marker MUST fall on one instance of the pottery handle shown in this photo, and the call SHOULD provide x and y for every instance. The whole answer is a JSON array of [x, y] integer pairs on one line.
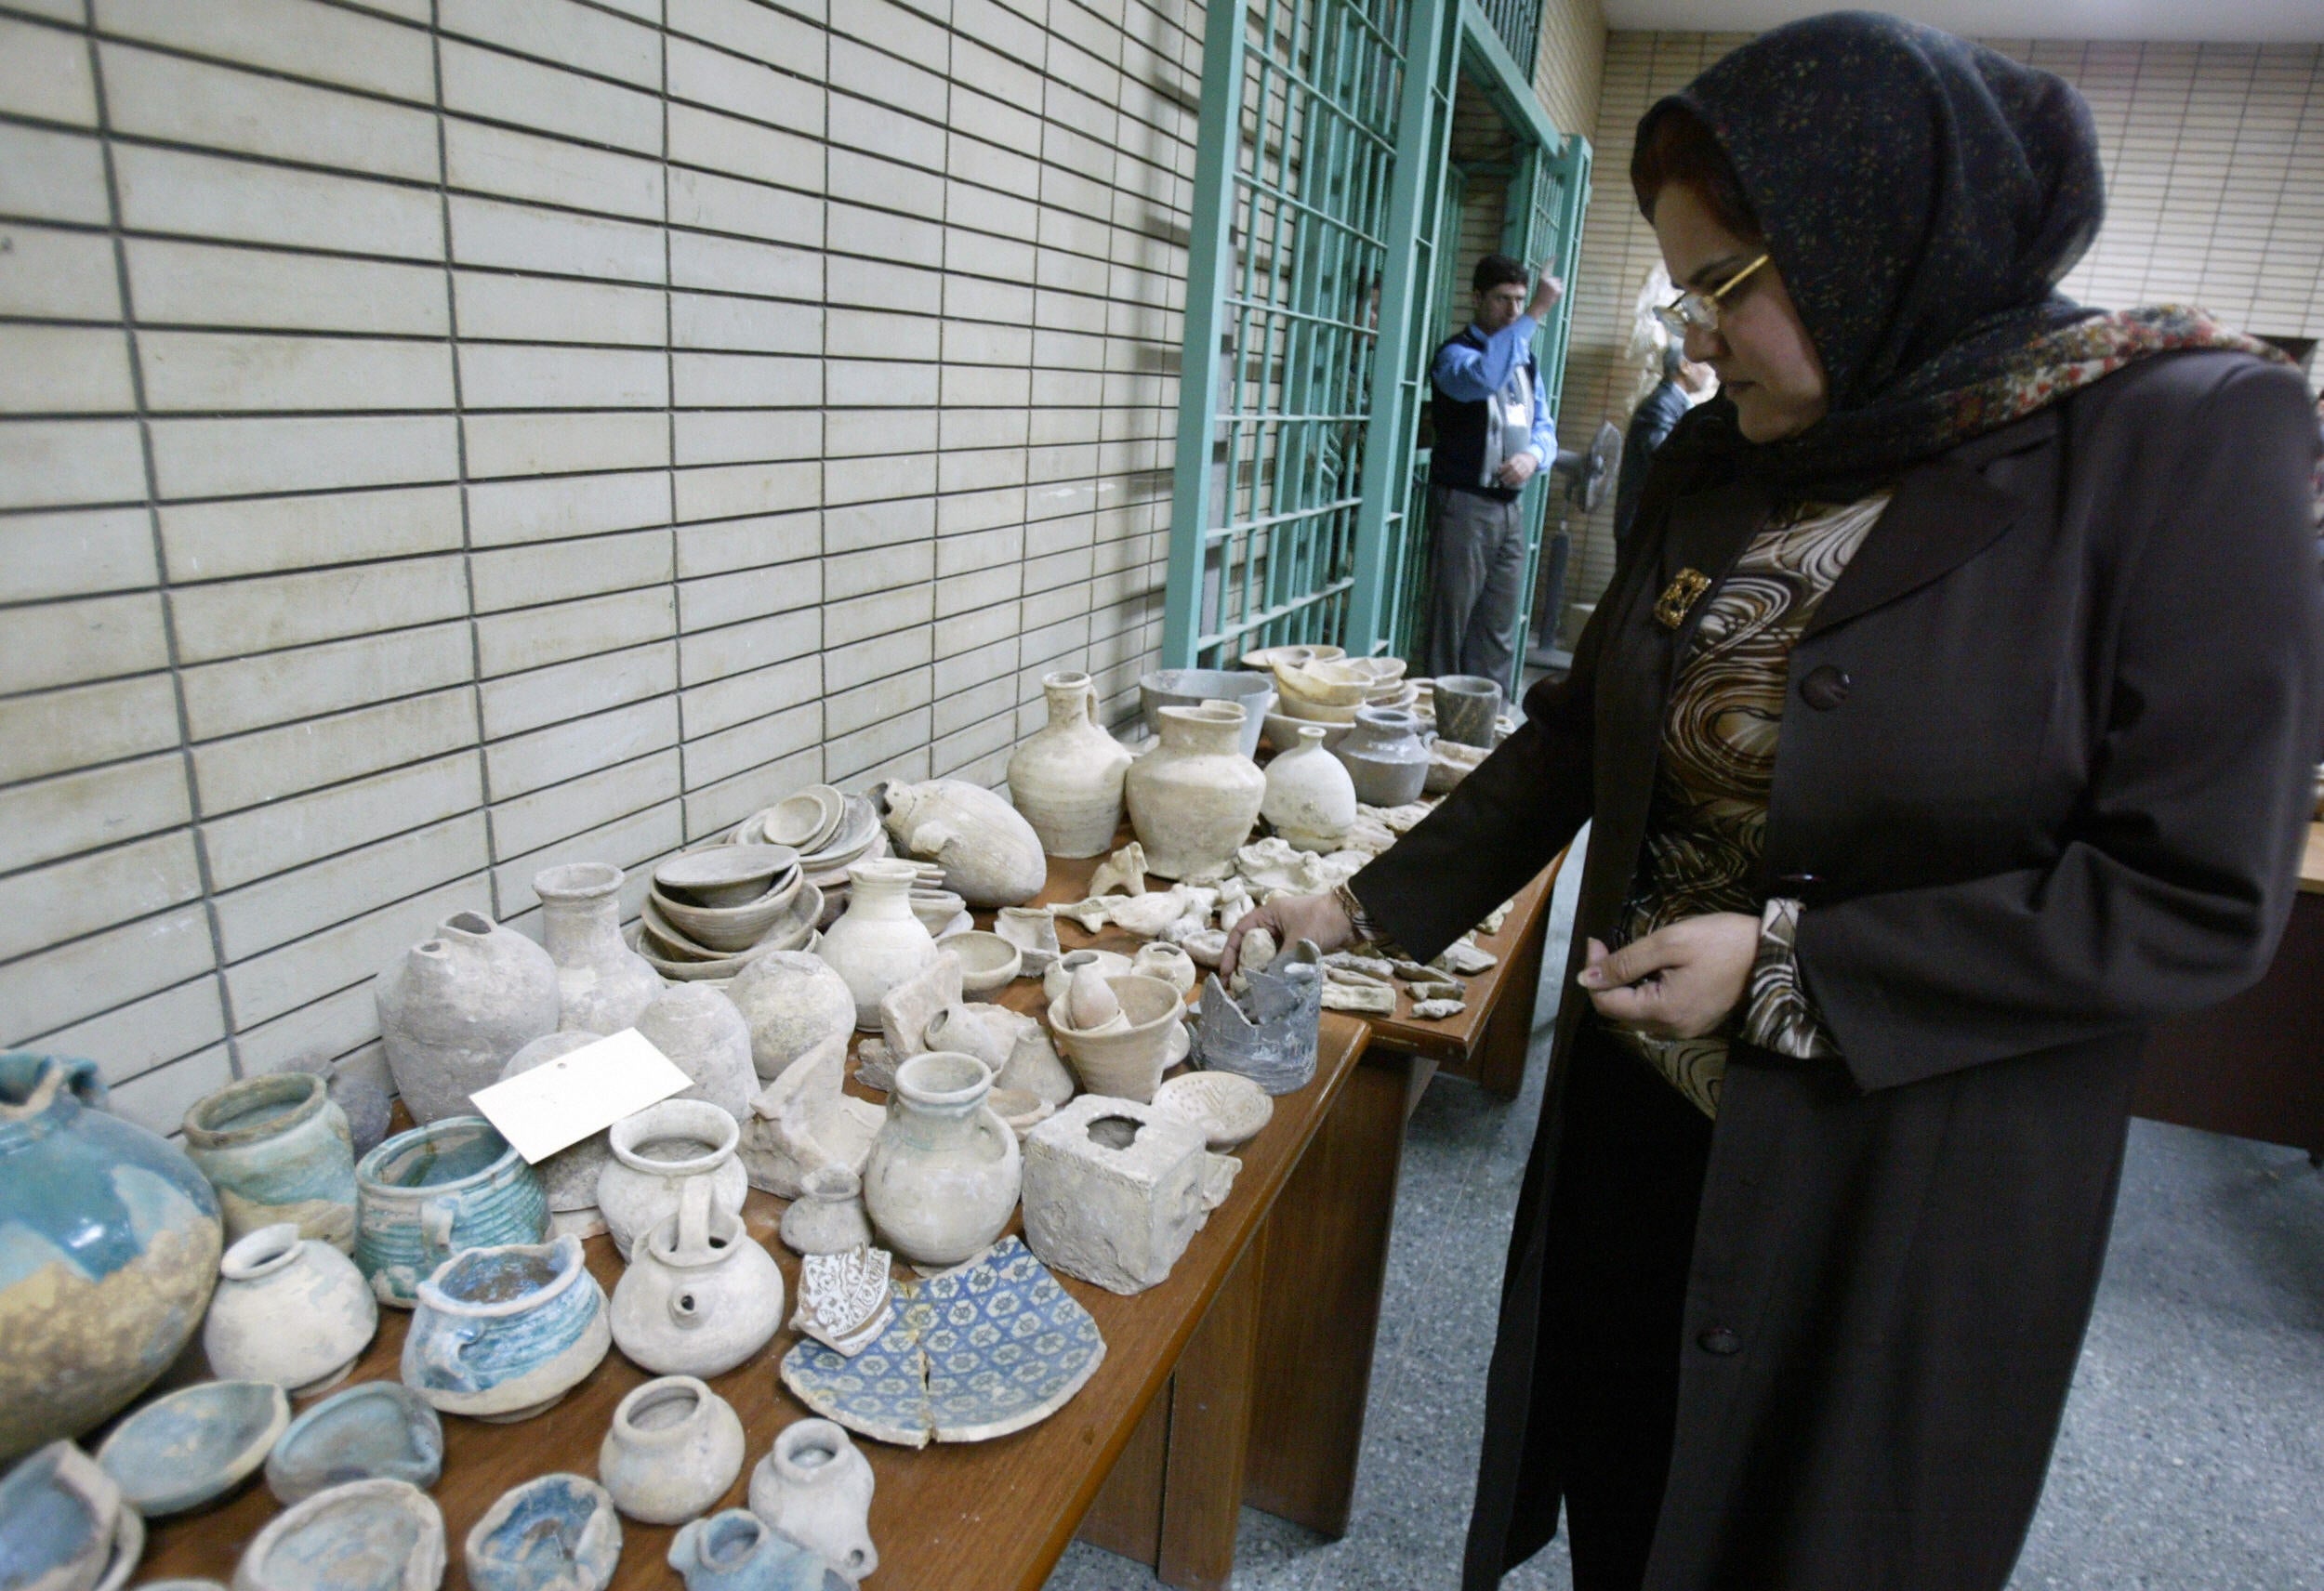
[[1004, 1137], [930, 839], [436, 1219], [1089, 702], [694, 1216], [442, 1350], [336, 1119]]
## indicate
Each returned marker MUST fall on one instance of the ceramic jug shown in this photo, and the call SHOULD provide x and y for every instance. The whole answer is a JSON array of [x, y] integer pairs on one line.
[[423, 1196], [943, 1172], [673, 1449], [654, 1153], [112, 1238], [815, 1488], [456, 1006], [1310, 800], [700, 1295], [288, 1309], [275, 1149], [706, 1038], [1384, 757], [502, 1333], [602, 985], [1193, 799], [878, 942], [1068, 778]]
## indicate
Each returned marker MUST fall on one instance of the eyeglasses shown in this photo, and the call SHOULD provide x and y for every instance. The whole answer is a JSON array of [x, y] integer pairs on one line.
[[1700, 312]]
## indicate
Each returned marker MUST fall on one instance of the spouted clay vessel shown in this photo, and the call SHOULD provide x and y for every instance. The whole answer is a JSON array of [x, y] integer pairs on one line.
[[990, 855], [739, 1551], [602, 985], [700, 1295], [815, 1488], [290, 1310], [673, 1449], [454, 1007], [1193, 799], [943, 1172], [1068, 778]]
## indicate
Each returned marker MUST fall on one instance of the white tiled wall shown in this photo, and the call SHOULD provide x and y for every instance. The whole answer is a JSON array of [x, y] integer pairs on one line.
[[439, 440], [2214, 158]]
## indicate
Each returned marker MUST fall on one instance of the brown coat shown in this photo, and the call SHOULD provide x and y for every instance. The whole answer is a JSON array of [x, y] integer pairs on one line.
[[2042, 777]]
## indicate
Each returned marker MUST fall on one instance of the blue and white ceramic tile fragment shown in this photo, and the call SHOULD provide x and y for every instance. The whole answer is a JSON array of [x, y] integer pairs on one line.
[[975, 1352], [380, 1430], [557, 1533], [739, 1551], [195, 1444]]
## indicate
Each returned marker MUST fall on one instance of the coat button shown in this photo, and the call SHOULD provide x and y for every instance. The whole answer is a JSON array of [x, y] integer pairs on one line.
[[1721, 1341], [1825, 688], [1796, 884]]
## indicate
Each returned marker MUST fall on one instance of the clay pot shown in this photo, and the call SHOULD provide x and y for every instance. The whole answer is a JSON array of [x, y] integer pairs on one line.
[[737, 1551], [277, 1149], [815, 1488], [1384, 757], [1193, 798], [423, 1196], [454, 1007], [569, 1177], [1124, 1056], [602, 985], [1059, 978], [654, 1153], [827, 1217], [1310, 799], [990, 855], [558, 1533], [102, 1289], [290, 1310], [700, 1295], [707, 1038], [502, 1333], [943, 1172], [1068, 778], [792, 1001], [877, 943], [366, 1536], [673, 1449], [1466, 705]]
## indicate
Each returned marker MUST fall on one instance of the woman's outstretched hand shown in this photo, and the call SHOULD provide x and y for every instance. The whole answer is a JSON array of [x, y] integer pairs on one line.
[[1678, 982], [1288, 917]]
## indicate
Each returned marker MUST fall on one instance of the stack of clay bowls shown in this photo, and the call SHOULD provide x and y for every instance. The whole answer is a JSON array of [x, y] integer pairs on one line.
[[829, 830], [1328, 691], [713, 910]]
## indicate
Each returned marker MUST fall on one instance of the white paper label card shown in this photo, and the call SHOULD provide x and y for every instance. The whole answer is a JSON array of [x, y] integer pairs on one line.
[[556, 1105]]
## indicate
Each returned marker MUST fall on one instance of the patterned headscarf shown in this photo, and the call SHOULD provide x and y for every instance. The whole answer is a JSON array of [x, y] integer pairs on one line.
[[1923, 196]]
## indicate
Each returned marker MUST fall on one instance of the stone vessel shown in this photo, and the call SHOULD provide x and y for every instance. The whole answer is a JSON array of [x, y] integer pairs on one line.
[[288, 1309], [877, 943], [503, 1333], [990, 855], [1066, 777], [943, 1173], [673, 1449], [706, 1037], [1466, 705], [792, 1001], [1384, 757], [654, 1153], [815, 1488], [700, 1295], [454, 1007], [602, 985], [275, 1149], [424, 1195], [1310, 800], [1193, 799], [569, 1177], [111, 1241]]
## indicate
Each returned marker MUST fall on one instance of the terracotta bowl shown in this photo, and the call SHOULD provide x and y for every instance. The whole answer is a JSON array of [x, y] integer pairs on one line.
[[987, 962], [1125, 1062], [730, 928], [725, 876]]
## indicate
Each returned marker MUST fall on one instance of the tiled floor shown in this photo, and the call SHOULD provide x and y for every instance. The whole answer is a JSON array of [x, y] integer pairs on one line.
[[2193, 1453]]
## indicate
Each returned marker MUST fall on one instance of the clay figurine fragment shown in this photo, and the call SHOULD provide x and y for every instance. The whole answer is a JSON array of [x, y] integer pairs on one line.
[[1466, 959], [1374, 968], [1147, 915], [1125, 871], [1033, 929]]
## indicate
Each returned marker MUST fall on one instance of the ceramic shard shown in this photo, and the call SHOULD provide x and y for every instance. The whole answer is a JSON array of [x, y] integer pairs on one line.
[[843, 1298], [907, 1009], [1466, 959], [1437, 1010], [1368, 999], [803, 1121]]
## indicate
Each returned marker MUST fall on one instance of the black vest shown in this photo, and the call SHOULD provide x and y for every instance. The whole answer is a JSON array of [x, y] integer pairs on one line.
[[1458, 456]]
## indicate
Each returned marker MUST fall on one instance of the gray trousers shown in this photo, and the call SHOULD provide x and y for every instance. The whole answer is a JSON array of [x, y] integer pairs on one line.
[[1477, 580]]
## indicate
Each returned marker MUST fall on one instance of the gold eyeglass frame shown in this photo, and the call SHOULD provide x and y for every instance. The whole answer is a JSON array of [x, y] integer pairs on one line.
[[1700, 312]]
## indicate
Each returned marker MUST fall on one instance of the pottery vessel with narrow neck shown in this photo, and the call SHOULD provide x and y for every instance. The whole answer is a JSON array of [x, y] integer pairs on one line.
[[1384, 757], [602, 985], [288, 1309], [654, 1153], [1193, 798], [943, 1173], [673, 1449], [1310, 800], [877, 943], [816, 1488], [456, 1005], [1066, 777]]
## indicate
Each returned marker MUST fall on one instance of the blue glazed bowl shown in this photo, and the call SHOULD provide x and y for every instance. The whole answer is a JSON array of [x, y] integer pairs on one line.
[[425, 1195], [109, 1246], [557, 1533], [502, 1333], [195, 1444], [381, 1430]]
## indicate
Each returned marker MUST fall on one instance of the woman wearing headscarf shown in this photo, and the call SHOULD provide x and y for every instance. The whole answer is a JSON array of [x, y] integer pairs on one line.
[[1950, 719]]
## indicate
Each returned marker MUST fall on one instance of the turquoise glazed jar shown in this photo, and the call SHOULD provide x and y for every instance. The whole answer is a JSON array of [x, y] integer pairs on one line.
[[109, 1246], [277, 1149], [502, 1333], [425, 1195]]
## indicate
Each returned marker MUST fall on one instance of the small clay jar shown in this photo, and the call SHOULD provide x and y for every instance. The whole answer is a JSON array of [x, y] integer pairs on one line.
[[827, 1217], [815, 1488], [277, 1149], [673, 1449], [655, 1153], [1384, 757], [290, 1310], [943, 1173]]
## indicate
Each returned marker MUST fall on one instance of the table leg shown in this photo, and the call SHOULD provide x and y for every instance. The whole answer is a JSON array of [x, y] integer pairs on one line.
[[1500, 1054], [1210, 1416], [1326, 1262]]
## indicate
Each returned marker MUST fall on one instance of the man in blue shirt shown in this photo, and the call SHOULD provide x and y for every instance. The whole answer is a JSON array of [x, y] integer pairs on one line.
[[1493, 431]]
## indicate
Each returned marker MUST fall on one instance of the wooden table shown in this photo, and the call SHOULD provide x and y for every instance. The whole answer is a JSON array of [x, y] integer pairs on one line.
[[2254, 1066], [1165, 1416]]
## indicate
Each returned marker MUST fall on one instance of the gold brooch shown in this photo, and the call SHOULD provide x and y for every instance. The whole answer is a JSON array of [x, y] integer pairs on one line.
[[1685, 589]]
